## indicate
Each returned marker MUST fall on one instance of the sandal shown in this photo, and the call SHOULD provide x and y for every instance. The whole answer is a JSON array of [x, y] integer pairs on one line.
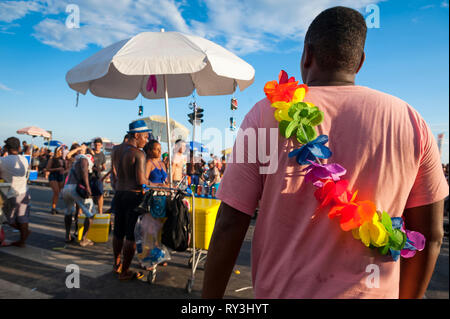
[[87, 242], [130, 275]]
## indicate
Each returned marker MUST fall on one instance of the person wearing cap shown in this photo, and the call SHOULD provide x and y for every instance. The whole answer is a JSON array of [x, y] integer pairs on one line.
[[129, 162], [13, 169]]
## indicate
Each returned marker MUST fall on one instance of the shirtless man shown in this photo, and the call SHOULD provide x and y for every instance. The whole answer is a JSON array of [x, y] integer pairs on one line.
[[130, 163], [178, 162]]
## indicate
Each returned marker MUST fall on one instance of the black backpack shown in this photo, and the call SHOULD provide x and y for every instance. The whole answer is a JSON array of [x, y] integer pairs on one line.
[[176, 232]]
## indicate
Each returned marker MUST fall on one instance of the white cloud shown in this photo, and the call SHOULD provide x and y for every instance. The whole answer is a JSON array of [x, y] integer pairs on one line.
[[13, 10], [262, 24], [444, 4], [4, 87], [429, 6], [241, 26]]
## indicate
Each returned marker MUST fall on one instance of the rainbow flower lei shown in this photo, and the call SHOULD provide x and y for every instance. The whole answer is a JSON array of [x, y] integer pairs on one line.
[[374, 228]]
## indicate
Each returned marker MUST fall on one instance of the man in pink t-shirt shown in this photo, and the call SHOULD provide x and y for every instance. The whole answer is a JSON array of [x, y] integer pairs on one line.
[[390, 156]]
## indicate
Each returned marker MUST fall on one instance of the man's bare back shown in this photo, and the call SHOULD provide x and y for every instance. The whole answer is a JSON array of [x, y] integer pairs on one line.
[[129, 162]]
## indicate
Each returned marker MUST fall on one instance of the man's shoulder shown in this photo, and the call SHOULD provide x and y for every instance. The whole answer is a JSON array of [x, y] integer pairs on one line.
[[380, 94], [260, 110], [262, 105], [134, 152]]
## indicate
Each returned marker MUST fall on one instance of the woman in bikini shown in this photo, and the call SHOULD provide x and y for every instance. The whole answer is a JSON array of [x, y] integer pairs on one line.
[[156, 169]]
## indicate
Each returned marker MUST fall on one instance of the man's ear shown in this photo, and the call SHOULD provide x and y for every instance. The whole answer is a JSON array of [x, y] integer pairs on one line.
[[363, 58], [305, 62], [307, 56]]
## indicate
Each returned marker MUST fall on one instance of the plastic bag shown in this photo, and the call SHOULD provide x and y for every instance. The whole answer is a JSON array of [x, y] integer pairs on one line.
[[149, 249]]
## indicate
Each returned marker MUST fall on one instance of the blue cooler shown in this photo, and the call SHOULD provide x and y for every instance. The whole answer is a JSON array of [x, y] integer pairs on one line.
[[33, 175]]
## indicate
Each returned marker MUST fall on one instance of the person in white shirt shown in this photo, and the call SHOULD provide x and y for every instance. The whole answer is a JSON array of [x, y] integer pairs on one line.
[[13, 169]]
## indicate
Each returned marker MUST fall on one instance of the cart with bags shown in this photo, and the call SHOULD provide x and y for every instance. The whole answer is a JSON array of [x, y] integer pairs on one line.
[[164, 224], [168, 222]]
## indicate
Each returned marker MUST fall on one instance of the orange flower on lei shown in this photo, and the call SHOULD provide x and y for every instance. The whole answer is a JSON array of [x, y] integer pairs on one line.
[[283, 90]]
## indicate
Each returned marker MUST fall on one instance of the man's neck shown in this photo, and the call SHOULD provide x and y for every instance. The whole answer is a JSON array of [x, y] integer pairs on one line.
[[331, 79], [330, 83], [132, 142]]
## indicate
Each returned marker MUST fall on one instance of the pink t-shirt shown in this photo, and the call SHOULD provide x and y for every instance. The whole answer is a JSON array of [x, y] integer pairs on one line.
[[391, 158]]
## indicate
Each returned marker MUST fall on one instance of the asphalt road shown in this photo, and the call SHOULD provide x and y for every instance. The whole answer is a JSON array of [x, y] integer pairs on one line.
[[40, 270]]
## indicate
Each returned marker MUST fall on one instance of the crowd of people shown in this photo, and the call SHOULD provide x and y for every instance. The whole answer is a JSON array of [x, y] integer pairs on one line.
[[57, 166], [77, 176]]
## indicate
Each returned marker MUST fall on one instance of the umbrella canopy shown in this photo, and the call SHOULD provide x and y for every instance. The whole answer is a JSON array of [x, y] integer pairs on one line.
[[54, 143], [122, 70], [157, 124], [199, 147], [34, 131], [161, 65]]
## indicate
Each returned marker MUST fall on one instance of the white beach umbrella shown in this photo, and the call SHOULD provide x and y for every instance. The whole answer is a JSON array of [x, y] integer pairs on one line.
[[161, 65]]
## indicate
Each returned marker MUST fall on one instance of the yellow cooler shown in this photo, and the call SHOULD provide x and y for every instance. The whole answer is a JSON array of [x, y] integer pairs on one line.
[[99, 230], [205, 217]]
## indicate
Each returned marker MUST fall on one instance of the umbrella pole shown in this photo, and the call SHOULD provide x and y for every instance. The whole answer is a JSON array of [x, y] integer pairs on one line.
[[169, 142]]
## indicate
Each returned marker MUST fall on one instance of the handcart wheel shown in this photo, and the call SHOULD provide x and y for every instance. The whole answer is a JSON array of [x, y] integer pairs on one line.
[[151, 276], [189, 285]]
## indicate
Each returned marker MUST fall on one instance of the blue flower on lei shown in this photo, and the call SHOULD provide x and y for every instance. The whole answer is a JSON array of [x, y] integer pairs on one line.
[[311, 150]]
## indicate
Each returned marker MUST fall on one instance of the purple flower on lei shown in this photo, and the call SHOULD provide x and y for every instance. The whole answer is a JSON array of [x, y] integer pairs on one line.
[[415, 241], [316, 172]]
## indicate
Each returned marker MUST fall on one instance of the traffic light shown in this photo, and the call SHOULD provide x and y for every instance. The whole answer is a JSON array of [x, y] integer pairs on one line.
[[199, 112], [196, 115]]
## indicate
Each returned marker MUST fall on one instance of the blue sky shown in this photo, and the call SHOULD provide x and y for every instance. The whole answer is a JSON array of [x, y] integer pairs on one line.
[[407, 56]]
